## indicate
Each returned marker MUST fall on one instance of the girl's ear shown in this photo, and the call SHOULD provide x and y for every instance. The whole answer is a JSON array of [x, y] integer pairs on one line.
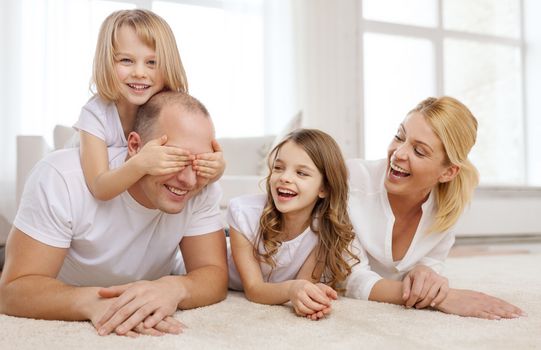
[[134, 143], [450, 173], [322, 193]]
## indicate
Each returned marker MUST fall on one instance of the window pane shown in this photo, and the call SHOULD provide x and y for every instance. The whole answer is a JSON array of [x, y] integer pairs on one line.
[[222, 52], [486, 77], [415, 12], [493, 17], [398, 73], [57, 49]]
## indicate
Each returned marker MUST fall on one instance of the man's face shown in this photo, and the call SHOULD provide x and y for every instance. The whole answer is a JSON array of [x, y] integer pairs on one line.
[[191, 131]]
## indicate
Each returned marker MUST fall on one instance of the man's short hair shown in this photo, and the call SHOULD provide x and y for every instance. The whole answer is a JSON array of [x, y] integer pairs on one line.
[[150, 111]]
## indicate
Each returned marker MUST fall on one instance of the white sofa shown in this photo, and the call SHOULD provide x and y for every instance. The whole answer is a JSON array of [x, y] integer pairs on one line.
[[245, 159]]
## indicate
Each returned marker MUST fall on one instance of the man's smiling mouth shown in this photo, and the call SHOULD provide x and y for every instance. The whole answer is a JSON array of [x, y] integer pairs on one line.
[[176, 191]]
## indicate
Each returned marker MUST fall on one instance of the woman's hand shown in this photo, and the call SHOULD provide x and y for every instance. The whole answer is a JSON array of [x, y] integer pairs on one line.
[[470, 303], [423, 287]]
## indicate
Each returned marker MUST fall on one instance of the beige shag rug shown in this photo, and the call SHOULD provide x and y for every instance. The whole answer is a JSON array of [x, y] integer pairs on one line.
[[239, 324]]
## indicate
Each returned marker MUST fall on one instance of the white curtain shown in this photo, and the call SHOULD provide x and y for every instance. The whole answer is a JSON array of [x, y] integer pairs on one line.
[[45, 69]]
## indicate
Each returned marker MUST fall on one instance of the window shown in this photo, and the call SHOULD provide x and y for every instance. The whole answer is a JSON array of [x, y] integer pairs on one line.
[[222, 52], [471, 50], [221, 45]]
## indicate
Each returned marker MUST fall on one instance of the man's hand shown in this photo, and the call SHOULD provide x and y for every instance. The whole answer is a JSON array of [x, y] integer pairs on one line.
[[422, 287], [470, 303], [146, 302]]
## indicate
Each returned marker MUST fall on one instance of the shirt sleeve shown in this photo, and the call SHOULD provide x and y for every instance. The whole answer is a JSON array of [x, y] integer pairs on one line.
[[435, 259], [92, 122], [206, 216], [362, 279], [243, 214], [45, 211]]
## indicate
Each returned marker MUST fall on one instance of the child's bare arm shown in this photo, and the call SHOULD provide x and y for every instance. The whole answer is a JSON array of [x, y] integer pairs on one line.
[[153, 158], [305, 296]]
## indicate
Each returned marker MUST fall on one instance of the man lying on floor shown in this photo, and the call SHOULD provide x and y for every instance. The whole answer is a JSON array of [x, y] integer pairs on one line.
[[66, 245]]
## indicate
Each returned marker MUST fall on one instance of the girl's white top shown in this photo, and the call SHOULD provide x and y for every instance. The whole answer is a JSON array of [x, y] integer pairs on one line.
[[373, 222], [243, 215], [101, 119]]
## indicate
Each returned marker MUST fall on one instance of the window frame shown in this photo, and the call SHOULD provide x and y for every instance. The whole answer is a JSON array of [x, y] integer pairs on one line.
[[437, 35]]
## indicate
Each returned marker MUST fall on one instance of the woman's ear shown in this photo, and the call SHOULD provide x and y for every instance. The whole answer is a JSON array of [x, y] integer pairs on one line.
[[450, 173], [134, 143]]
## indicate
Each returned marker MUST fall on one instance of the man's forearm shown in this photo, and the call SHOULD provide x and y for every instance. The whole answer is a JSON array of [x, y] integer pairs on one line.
[[204, 286], [46, 298]]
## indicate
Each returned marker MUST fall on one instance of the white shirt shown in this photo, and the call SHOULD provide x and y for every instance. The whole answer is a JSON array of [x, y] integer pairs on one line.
[[110, 242], [373, 222], [243, 215], [101, 119]]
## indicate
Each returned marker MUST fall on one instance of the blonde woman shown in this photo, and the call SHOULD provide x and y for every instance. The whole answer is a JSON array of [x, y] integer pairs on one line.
[[404, 209]]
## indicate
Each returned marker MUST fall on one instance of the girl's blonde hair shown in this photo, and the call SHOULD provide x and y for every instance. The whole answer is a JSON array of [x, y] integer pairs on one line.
[[151, 30], [456, 127], [330, 219]]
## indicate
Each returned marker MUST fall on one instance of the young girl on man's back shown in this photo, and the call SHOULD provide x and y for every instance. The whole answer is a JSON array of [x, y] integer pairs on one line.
[[136, 57], [298, 234]]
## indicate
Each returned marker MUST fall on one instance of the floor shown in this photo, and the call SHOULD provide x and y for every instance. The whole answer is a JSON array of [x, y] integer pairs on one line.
[[478, 246]]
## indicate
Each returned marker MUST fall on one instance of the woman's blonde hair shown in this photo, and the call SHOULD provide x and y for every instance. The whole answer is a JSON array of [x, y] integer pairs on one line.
[[151, 30], [330, 219], [456, 127]]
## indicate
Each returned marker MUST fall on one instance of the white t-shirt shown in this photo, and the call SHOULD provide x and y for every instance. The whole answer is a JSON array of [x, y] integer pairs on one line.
[[101, 119], [373, 221], [110, 242], [243, 215]]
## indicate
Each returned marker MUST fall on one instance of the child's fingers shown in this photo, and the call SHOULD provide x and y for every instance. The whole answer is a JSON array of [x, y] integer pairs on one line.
[[304, 309], [206, 157], [166, 171], [178, 152], [329, 292], [319, 297], [216, 146], [205, 175]]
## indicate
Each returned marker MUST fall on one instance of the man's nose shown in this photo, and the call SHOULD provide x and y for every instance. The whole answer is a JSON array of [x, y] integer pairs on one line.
[[187, 176]]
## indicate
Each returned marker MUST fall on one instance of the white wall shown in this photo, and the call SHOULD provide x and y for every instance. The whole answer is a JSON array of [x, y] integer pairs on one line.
[[328, 67], [532, 31], [502, 212]]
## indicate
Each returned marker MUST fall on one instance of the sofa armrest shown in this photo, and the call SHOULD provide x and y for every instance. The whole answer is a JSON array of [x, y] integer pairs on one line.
[[238, 185]]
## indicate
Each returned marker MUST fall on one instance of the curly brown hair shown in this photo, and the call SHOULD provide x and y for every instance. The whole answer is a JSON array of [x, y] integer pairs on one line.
[[330, 215]]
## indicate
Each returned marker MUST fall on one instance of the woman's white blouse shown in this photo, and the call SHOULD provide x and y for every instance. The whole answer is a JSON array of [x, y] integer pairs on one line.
[[373, 222]]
